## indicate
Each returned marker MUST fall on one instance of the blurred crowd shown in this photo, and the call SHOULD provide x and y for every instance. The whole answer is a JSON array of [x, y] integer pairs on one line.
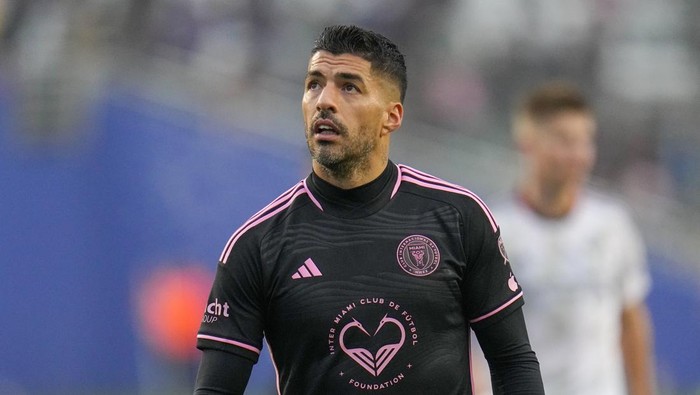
[[468, 60]]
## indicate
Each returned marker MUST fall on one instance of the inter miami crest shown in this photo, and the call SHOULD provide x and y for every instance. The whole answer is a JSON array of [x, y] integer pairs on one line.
[[418, 255]]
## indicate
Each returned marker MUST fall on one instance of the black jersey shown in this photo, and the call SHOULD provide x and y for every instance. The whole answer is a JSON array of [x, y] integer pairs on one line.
[[373, 288]]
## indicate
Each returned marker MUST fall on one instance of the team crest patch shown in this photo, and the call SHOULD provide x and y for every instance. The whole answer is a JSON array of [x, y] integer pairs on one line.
[[502, 249], [418, 255]]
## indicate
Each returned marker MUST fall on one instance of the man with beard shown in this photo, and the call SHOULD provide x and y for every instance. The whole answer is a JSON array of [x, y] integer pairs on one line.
[[366, 275]]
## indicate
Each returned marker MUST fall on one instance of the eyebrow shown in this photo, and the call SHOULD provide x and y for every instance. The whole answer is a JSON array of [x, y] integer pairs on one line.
[[314, 73], [351, 77], [342, 75]]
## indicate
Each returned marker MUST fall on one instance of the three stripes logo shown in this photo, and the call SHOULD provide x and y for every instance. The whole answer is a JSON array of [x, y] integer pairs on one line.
[[308, 269]]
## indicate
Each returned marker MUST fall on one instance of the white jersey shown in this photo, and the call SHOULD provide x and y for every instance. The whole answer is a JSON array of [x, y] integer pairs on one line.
[[578, 273]]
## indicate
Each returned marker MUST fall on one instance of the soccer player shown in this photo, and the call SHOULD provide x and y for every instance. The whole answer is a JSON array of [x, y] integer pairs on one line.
[[577, 254], [367, 275]]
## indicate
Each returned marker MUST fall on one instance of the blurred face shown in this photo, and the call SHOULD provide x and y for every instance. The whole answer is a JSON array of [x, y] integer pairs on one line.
[[562, 150], [348, 112]]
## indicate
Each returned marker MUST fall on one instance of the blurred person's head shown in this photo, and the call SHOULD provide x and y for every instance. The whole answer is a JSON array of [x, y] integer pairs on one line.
[[554, 128], [354, 89]]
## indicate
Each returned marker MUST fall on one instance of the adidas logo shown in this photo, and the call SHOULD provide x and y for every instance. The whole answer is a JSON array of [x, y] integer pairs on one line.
[[308, 269]]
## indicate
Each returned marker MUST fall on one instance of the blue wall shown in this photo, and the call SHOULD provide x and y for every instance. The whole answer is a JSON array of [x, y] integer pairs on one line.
[[79, 224], [675, 308]]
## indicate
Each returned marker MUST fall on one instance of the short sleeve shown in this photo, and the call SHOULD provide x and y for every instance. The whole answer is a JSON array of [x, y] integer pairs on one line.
[[490, 288], [634, 277], [233, 319]]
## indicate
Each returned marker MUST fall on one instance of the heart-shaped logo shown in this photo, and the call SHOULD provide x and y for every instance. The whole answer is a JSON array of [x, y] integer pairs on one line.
[[373, 363]]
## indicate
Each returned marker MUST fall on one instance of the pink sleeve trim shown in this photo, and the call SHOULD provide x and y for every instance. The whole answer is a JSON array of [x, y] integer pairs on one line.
[[227, 341], [487, 315], [426, 180], [311, 196], [258, 219]]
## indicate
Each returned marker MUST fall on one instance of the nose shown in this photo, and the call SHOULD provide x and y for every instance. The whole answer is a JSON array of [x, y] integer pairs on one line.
[[327, 99]]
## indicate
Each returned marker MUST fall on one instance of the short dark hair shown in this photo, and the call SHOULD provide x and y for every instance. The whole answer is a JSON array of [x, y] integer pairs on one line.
[[552, 98], [382, 53]]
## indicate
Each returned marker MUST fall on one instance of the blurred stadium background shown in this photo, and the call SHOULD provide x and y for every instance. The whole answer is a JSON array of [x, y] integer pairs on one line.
[[136, 135]]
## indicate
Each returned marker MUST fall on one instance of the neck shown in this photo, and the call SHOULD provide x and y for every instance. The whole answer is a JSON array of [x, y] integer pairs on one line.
[[552, 201]]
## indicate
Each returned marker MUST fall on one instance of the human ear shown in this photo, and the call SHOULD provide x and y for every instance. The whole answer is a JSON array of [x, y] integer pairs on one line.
[[394, 117]]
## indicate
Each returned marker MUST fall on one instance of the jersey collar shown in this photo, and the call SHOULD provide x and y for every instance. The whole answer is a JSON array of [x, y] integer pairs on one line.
[[357, 202]]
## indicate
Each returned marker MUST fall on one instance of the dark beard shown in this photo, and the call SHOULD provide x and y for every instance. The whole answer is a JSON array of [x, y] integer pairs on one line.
[[340, 169], [344, 164]]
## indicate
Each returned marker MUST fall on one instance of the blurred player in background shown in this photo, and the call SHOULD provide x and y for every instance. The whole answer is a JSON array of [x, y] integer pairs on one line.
[[577, 255], [366, 275]]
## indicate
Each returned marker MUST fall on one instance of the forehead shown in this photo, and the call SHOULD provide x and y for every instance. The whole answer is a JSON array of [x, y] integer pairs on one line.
[[571, 123], [328, 64]]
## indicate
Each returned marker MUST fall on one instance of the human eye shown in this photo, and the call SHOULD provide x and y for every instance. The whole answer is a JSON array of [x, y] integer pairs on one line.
[[312, 84], [351, 88]]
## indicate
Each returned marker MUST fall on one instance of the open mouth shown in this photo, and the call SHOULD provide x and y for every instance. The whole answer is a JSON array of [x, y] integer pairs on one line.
[[325, 130], [325, 127]]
